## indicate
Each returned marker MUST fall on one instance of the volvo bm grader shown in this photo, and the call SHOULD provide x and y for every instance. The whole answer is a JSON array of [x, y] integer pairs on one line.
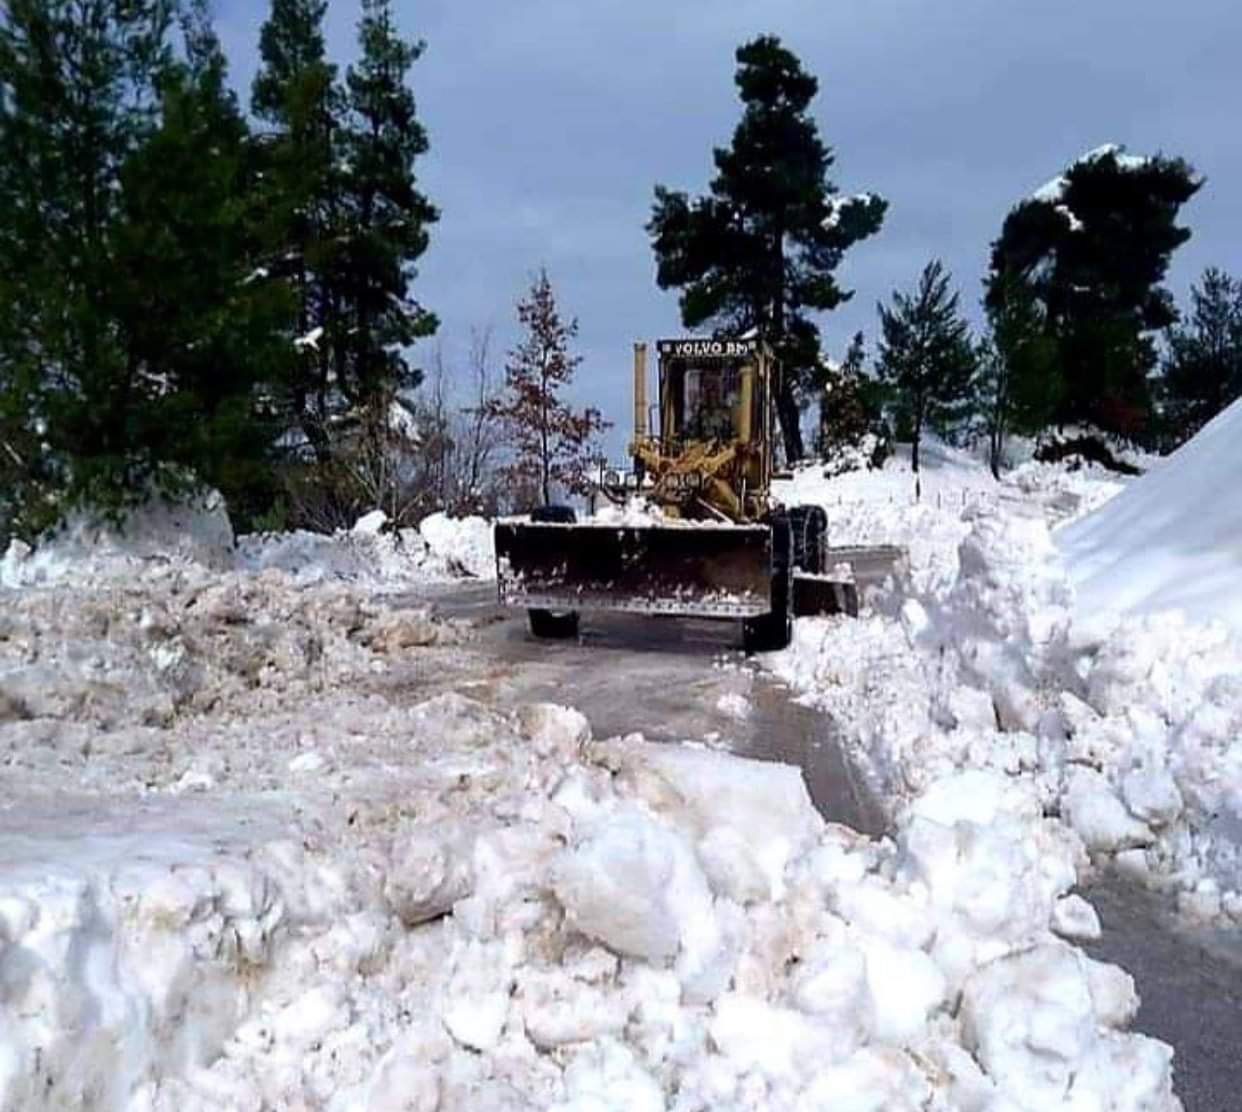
[[719, 546]]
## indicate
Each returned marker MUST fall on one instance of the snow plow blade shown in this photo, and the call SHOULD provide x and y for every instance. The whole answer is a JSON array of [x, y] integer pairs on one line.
[[704, 571]]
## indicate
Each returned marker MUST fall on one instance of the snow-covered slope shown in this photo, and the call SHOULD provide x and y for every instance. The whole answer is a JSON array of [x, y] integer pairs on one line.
[[1173, 539]]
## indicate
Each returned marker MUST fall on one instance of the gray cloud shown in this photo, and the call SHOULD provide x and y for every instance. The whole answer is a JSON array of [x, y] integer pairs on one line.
[[551, 120]]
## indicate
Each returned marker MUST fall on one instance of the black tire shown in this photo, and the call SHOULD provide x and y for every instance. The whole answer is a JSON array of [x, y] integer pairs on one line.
[[768, 633], [808, 526], [551, 625]]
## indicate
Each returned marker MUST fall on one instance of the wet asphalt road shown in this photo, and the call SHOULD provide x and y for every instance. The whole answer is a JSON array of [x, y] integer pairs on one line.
[[666, 678]]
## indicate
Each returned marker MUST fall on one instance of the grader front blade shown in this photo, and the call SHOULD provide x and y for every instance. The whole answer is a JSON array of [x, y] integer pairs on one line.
[[709, 571]]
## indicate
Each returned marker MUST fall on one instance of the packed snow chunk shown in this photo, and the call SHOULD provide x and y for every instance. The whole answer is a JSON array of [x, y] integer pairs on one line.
[[1008, 614], [467, 543], [1040, 1024], [756, 1035], [607, 1077], [734, 704], [976, 796], [1171, 540], [1074, 918], [1152, 795], [370, 524], [763, 807], [1092, 808], [162, 532], [636, 886], [874, 1079], [432, 868], [905, 987]]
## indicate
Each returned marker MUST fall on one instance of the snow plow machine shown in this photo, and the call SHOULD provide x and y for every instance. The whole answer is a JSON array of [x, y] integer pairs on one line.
[[711, 543]]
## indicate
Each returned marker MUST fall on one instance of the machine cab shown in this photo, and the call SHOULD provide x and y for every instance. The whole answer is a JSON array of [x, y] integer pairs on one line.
[[712, 391]]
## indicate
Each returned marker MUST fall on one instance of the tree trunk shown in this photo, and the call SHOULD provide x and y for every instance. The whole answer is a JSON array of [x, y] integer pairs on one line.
[[790, 418], [914, 456]]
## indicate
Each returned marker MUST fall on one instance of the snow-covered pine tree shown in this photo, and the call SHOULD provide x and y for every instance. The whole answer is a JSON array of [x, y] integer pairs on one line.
[[850, 419], [760, 249], [1093, 246], [926, 358], [553, 444]]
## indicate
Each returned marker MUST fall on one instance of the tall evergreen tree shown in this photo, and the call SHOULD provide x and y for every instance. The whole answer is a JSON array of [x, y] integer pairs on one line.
[[203, 336], [1203, 367], [299, 105], [1093, 247], [347, 221], [759, 251], [387, 217], [78, 95], [926, 357]]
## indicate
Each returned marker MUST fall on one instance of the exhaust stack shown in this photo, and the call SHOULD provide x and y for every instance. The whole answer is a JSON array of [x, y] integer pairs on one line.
[[640, 391]]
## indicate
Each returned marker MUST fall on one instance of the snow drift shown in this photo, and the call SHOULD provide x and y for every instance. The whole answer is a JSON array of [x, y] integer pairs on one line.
[[1172, 540]]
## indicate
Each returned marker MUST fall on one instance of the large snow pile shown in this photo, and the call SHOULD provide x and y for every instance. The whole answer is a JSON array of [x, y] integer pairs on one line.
[[1133, 743], [193, 540], [440, 548], [155, 537], [245, 865], [442, 907], [1173, 539]]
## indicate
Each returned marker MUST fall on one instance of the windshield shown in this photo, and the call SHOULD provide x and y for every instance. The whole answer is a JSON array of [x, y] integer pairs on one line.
[[711, 399]]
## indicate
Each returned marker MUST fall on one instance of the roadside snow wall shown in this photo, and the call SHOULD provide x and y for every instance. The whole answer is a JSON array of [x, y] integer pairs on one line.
[[1172, 540]]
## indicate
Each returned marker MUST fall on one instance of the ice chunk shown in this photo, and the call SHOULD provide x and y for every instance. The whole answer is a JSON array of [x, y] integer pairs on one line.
[[635, 886]]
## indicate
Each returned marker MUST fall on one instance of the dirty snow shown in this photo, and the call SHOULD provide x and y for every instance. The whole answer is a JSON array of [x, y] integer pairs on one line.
[[983, 656], [250, 859], [192, 541]]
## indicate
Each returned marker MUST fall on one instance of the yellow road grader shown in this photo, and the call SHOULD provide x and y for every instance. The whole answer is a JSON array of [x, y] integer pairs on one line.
[[718, 546]]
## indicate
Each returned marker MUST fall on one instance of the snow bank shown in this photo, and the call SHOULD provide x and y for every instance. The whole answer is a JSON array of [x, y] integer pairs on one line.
[[1172, 540], [492, 911], [880, 506], [157, 536], [465, 543], [190, 541], [1131, 742]]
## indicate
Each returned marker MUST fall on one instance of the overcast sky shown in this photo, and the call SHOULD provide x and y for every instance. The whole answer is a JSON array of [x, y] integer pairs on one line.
[[551, 120]]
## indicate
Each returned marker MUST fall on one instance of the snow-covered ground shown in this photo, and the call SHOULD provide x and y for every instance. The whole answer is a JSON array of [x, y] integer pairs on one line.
[[984, 657], [242, 867]]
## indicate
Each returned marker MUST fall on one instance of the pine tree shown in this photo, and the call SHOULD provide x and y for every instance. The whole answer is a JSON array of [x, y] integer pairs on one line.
[[926, 357], [759, 251], [1021, 384], [204, 336], [78, 94], [848, 409], [387, 217], [1203, 366], [552, 443], [1093, 247], [296, 98]]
